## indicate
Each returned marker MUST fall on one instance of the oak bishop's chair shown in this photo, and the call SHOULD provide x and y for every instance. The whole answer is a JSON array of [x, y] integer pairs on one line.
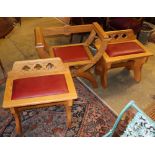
[[77, 56], [123, 50]]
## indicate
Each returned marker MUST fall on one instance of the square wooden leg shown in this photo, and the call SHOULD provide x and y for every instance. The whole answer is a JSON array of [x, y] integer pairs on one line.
[[137, 68], [68, 107], [104, 76], [102, 69], [16, 115]]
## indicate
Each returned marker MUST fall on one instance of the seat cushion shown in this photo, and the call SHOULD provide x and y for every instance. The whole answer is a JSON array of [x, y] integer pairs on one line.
[[71, 53], [39, 86], [125, 48]]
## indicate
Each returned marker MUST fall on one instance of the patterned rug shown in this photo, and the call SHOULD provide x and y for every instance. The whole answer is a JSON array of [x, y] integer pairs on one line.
[[90, 118]]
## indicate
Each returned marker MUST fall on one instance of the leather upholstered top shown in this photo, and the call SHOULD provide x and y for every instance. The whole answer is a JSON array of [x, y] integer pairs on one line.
[[71, 53], [39, 86], [125, 48]]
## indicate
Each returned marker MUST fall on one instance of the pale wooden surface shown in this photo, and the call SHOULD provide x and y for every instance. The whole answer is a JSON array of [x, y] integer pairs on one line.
[[34, 68]]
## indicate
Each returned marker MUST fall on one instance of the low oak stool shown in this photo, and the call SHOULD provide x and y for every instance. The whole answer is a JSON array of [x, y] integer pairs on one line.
[[123, 50], [38, 83]]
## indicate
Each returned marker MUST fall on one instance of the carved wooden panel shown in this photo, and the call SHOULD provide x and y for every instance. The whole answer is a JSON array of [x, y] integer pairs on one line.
[[37, 67], [121, 35]]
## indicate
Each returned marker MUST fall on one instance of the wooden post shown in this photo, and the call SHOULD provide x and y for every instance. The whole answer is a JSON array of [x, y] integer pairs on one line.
[[137, 67], [104, 74], [16, 115], [68, 107]]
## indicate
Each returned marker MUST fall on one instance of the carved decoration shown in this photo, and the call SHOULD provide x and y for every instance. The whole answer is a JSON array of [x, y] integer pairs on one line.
[[26, 68], [37, 67], [49, 66]]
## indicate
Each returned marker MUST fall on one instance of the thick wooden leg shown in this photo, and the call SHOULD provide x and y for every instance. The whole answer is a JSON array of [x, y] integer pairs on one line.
[[98, 67], [69, 113], [104, 78], [16, 115], [87, 75], [104, 75], [102, 69], [137, 73], [137, 67]]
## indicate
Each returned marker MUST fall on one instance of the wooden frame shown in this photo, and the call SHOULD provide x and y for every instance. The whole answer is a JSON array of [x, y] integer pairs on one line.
[[78, 68], [34, 68], [131, 62]]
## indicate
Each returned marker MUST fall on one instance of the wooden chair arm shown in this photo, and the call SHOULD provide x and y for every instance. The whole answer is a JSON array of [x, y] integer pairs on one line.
[[99, 30], [42, 53], [40, 44], [103, 41], [39, 38]]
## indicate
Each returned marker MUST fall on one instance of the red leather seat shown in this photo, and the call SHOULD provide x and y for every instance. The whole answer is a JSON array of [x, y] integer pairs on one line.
[[39, 86], [71, 53], [125, 48]]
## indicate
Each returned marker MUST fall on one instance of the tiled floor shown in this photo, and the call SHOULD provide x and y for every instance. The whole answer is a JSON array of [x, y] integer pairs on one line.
[[19, 45]]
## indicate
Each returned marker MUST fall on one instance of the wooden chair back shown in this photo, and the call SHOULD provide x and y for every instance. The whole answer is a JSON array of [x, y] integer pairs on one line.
[[23, 69], [121, 35]]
